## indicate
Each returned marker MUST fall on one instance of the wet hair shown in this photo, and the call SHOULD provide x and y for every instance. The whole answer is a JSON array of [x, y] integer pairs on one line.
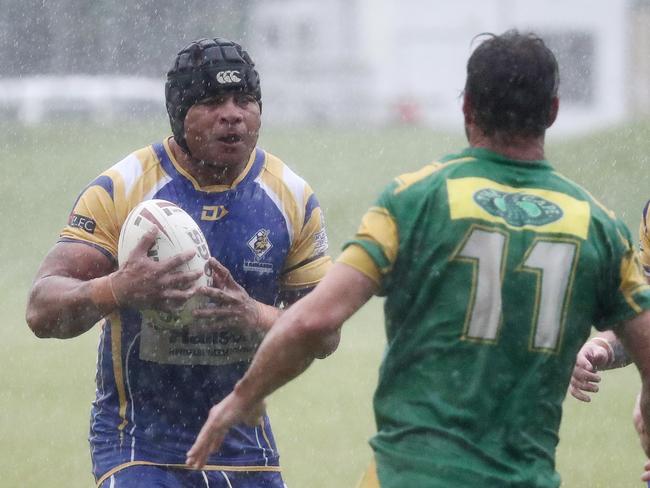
[[511, 82]]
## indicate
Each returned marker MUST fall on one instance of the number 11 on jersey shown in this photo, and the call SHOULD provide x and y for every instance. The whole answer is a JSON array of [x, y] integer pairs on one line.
[[550, 261]]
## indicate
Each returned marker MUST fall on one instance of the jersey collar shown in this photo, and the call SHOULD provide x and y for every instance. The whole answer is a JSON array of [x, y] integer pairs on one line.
[[251, 170], [482, 153]]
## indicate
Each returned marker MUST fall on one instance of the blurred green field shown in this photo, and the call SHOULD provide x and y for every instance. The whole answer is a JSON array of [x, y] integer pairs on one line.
[[323, 420]]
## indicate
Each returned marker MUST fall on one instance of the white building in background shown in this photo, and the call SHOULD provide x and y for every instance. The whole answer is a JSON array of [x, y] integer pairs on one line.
[[386, 61]]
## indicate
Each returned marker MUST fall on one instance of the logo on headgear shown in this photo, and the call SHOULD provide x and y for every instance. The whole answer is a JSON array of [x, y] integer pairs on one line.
[[230, 76]]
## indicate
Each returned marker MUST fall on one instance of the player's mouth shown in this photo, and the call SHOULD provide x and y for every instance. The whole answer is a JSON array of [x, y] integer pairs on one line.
[[231, 139]]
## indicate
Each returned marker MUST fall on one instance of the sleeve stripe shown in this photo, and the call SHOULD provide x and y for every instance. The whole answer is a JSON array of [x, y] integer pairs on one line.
[[102, 181], [304, 263], [106, 183], [91, 244], [307, 275], [358, 258], [645, 215], [312, 203]]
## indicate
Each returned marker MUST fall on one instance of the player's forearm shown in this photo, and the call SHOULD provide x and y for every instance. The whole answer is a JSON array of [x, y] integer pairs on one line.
[[307, 330], [64, 307], [267, 315], [285, 353]]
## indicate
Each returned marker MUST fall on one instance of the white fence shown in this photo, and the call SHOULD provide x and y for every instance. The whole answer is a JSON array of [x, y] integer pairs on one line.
[[33, 99]]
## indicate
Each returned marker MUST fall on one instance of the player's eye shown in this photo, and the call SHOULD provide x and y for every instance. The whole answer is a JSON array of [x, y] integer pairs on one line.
[[243, 99], [218, 100]]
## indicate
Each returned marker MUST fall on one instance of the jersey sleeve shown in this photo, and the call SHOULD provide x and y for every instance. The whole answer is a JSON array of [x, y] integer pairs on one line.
[[626, 292], [644, 241], [93, 219], [373, 250], [308, 258]]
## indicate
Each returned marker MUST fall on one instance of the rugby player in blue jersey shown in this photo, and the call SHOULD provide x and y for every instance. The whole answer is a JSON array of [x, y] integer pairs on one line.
[[266, 234]]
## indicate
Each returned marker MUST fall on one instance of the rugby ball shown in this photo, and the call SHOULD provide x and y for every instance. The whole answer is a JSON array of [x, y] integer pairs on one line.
[[177, 232]]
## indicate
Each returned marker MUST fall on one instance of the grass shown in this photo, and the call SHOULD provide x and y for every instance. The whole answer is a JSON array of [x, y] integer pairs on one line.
[[323, 420]]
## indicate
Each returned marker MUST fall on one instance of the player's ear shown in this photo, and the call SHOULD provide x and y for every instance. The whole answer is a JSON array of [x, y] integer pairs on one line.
[[552, 115]]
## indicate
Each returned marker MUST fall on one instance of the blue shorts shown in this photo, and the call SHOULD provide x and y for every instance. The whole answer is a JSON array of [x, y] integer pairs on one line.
[[165, 477]]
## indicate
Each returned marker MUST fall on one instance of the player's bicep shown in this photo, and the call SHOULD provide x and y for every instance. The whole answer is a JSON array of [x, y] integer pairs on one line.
[[78, 260]]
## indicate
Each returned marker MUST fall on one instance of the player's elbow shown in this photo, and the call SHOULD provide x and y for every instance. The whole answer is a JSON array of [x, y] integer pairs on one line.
[[37, 323], [39, 320], [328, 344], [321, 332], [35, 315], [45, 328]]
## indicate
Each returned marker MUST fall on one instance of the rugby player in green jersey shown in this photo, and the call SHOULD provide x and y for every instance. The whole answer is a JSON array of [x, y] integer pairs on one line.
[[494, 268]]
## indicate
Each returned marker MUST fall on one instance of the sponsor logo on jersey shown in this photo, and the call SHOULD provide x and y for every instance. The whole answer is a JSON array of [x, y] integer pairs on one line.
[[213, 212], [229, 76], [518, 209], [222, 337], [258, 267], [84, 223], [320, 242]]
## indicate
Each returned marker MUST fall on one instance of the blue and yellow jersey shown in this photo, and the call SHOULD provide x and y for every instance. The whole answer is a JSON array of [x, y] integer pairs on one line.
[[494, 271], [155, 387]]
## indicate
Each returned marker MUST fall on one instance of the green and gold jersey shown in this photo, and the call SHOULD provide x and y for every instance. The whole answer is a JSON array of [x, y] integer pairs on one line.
[[644, 240], [494, 272]]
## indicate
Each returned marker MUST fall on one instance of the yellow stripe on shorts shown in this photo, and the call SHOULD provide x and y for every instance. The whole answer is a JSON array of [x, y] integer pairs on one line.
[[369, 479]]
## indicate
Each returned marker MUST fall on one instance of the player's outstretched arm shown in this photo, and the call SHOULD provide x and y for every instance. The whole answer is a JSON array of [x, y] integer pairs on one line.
[[301, 334], [77, 285]]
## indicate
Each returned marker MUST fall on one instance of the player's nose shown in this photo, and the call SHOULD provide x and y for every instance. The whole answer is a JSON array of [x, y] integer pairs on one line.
[[229, 112]]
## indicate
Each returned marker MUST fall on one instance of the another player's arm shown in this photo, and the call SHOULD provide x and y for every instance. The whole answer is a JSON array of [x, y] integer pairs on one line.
[[77, 285], [619, 356], [301, 334], [635, 336], [606, 350]]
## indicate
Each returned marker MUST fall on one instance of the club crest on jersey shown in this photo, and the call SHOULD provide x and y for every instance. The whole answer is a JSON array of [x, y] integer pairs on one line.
[[260, 243], [518, 209]]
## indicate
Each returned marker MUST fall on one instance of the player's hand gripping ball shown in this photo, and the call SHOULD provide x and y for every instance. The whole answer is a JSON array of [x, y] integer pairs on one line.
[[177, 232]]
